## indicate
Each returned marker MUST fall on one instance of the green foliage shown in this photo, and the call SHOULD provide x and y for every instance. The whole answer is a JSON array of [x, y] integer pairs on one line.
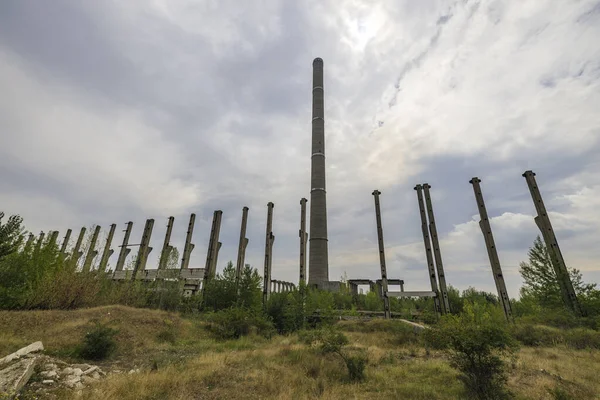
[[333, 341], [98, 343], [222, 291], [236, 322], [11, 234], [478, 343], [540, 282]]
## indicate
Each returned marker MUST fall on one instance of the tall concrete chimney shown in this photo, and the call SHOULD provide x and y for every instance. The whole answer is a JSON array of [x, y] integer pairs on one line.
[[318, 256]]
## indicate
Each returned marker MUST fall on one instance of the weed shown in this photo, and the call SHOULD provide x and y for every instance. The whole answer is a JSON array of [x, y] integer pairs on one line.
[[98, 343]]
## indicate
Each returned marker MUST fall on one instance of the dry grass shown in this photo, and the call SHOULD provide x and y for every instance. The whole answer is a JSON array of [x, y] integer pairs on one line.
[[196, 366]]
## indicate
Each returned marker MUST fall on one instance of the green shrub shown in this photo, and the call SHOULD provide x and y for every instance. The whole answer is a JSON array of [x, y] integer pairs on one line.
[[98, 343], [535, 335], [477, 342], [582, 338], [329, 340], [236, 322]]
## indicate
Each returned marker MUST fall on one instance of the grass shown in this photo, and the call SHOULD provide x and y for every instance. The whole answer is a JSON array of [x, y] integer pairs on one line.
[[180, 359]]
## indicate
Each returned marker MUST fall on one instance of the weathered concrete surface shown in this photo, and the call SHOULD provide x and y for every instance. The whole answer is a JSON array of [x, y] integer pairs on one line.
[[32, 348], [15, 376]]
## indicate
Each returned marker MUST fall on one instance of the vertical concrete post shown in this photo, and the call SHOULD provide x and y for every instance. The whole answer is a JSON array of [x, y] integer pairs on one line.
[[145, 249], [107, 252], [52, 239], [77, 253], [303, 239], [241, 256], [428, 254], [124, 252], [189, 246], [384, 284], [490, 244], [65, 243], [29, 242], [91, 253], [166, 247], [40, 241], [213, 248], [269, 239], [318, 257], [436, 251], [558, 262]]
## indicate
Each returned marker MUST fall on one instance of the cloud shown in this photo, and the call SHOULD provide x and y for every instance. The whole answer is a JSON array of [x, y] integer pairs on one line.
[[130, 110]]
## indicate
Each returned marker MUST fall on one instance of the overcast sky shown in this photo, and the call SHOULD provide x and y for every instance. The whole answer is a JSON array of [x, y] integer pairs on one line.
[[113, 111]]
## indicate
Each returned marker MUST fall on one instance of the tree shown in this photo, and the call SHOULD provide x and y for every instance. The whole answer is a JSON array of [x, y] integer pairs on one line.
[[540, 280], [11, 234]]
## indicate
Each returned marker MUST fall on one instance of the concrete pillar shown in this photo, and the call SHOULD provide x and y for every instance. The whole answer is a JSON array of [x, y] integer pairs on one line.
[[269, 239], [29, 242], [241, 247], [386, 300], [486, 229], [52, 239], [353, 289], [436, 251], [303, 239], [213, 248], [40, 241], [428, 253], [77, 253], [91, 253], [107, 252], [402, 286], [65, 243], [145, 249], [166, 247], [189, 246], [124, 252], [558, 262], [318, 257]]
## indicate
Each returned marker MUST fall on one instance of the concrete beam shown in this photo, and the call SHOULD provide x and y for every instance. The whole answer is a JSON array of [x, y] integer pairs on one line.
[[412, 294], [384, 284], [558, 262], [77, 253], [241, 256], [107, 252], [269, 240], [436, 251], [145, 249], [428, 252], [486, 229], [65, 243], [124, 252], [91, 253], [189, 246], [166, 247]]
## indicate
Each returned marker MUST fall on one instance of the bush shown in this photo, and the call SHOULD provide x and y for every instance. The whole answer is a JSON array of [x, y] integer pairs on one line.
[[333, 341], [98, 343], [535, 335], [236, 322], [477, 342]]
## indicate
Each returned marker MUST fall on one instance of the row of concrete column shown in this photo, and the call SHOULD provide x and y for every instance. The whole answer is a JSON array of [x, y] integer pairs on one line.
[[281, 286], [434, 259]]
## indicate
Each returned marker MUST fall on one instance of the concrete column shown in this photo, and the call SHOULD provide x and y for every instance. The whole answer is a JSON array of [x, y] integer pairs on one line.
[[124, 252], [166, 247], [486, 229], [558, 262], [428, 254], [189, 246], [77, 253], [107, 252], [145, 249], [91, 253], [65, 243], [402, 286], [436, 251], [213, 248], [29, 242], [318, 257], [353, 289], [269, 239], [303, 239], [386, 300], [52, 239], [40, 241], [241, 247]]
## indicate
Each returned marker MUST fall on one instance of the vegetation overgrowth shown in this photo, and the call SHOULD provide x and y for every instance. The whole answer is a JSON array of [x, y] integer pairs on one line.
[[474, 345]]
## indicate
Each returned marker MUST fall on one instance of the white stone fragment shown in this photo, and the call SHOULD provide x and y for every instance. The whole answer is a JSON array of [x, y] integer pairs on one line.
[[32, 348]]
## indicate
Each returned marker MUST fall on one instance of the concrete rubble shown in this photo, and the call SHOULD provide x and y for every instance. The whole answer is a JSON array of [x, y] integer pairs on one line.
[[41, 373]]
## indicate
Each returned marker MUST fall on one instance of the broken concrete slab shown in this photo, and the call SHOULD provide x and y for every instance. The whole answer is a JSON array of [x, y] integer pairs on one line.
[[32, 348], [15, 376]]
